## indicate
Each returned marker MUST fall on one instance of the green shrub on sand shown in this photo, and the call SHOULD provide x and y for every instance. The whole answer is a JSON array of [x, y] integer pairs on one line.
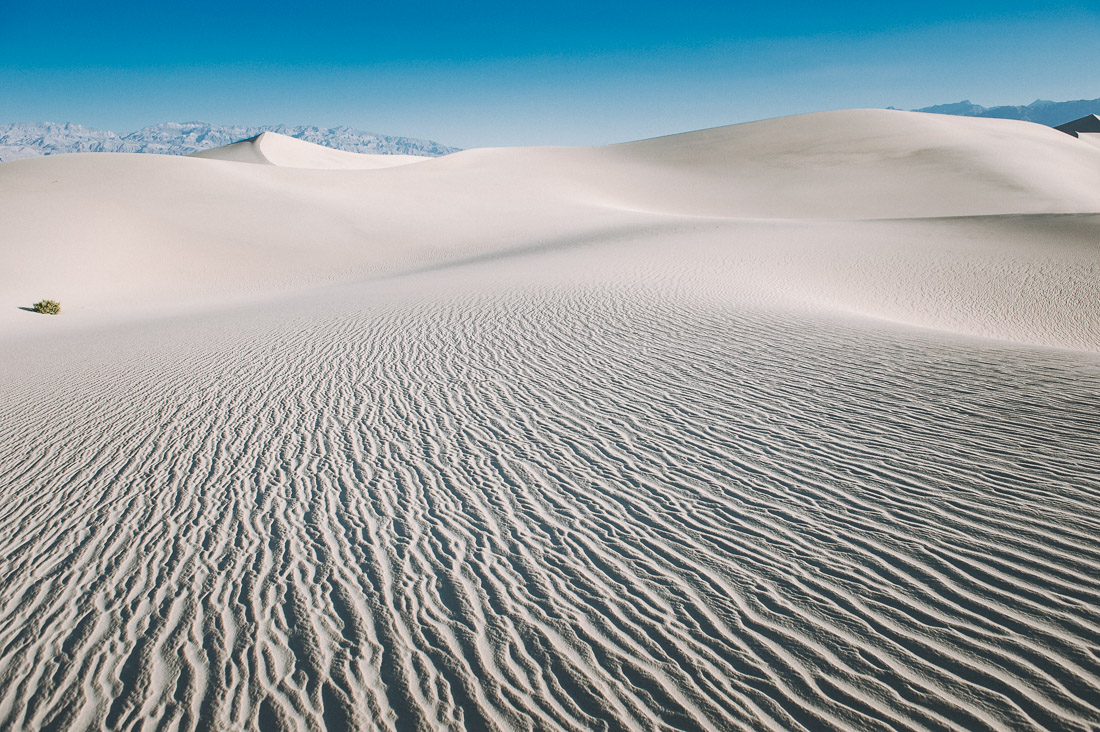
[[49, 307]]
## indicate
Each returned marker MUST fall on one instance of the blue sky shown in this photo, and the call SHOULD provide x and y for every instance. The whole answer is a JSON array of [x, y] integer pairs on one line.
[[514, 73]]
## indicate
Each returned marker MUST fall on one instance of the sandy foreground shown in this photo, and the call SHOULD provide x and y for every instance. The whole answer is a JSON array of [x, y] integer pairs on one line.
[[792, 425]]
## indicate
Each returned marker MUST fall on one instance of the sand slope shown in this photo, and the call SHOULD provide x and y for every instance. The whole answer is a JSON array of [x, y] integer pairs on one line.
[[270, 148], [102, 232], [787, 425]]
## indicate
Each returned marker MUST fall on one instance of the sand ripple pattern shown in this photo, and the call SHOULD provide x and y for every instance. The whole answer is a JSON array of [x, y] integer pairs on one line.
[[587, 507]]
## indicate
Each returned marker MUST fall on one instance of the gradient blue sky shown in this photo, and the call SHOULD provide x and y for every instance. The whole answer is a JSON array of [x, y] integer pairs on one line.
[[514, 73]]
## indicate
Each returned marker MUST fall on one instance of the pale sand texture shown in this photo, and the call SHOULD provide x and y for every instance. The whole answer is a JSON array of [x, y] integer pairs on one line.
[[785, 425]]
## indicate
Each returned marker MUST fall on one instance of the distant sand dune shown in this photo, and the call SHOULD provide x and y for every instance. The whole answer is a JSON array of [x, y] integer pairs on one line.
[[790, 425], [269, 148]]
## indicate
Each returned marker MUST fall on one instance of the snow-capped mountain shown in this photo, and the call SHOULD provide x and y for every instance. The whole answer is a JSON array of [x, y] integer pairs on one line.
[[27, 140]]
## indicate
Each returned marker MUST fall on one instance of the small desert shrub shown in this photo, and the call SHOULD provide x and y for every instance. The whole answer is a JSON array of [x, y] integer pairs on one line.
[[49, 307]]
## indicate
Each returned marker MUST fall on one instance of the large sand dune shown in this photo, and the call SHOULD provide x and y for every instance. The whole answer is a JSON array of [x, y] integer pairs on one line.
[[786, 425]]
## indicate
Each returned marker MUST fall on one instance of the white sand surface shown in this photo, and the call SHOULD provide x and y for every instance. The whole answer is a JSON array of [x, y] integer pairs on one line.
[[270, 148], [790, 425]]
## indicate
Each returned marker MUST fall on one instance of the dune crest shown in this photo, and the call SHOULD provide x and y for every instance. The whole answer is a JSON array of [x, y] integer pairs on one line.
[[271, 148]]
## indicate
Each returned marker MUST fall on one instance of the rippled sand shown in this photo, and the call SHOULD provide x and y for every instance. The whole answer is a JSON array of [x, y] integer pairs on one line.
[[679, 472]]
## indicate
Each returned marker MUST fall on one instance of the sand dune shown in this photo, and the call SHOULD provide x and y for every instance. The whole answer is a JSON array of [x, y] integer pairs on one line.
[[271, 148], [788, 425], [184, 234], [1090, 138]]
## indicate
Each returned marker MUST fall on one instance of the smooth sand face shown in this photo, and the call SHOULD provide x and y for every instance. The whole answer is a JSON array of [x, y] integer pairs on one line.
[[113, 236], [790, 424], [270, 148]]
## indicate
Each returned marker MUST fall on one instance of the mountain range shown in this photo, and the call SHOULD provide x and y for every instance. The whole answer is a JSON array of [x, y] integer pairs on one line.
[[1041, 111], [28, 140]]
